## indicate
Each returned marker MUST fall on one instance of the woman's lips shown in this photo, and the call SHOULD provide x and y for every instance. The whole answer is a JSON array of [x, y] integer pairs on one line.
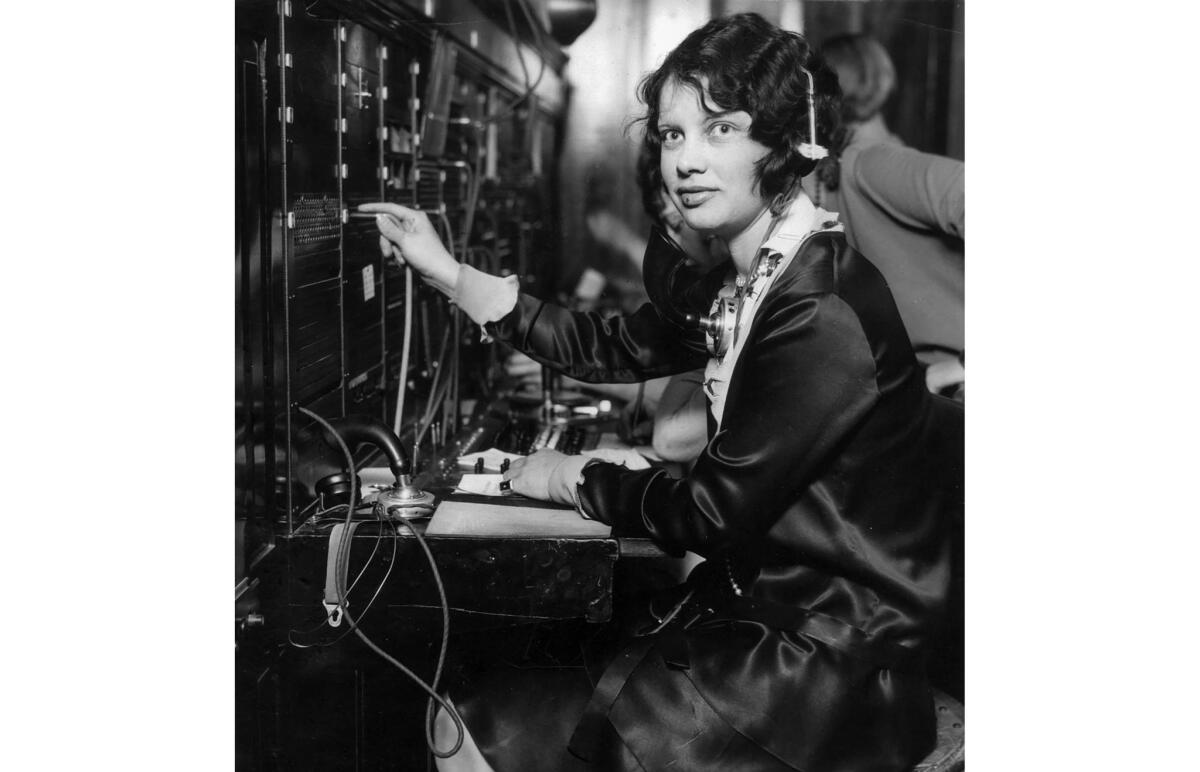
[[694, 198]]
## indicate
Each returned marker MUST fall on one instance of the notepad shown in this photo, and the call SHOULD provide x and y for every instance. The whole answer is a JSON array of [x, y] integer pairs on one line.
[[511, 519]]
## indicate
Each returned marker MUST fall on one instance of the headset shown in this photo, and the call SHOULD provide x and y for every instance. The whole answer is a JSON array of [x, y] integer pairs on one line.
[[811, 150]]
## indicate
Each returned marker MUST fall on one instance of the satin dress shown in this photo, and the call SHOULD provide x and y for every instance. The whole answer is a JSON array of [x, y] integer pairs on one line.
[[820, 504]]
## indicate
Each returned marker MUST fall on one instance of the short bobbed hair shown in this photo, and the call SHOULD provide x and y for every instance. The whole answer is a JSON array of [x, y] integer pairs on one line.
[[751, 65], [865, 72]]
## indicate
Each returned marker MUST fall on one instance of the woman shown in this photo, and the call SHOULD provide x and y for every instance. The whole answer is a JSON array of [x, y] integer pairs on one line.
[[901, 207], [798, 643]]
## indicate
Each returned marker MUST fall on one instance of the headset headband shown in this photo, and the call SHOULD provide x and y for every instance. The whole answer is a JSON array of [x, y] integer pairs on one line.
[[811, 150]]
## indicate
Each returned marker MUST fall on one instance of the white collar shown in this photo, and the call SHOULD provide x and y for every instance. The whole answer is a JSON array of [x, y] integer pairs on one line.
[[801, 218]]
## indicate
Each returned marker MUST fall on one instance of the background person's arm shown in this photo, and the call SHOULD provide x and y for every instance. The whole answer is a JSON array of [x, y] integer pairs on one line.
[[681, 421], [918, 189]]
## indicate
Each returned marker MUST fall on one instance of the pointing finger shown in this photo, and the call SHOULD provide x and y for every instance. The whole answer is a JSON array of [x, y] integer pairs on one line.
[[383, 207]]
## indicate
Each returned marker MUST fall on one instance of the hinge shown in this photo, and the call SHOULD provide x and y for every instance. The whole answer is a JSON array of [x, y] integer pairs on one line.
[[286, 7], [342, 33], [345, 171], [383, 93], [383, 52], [345, 216], [343, 80], [291, 220], [414, 67]]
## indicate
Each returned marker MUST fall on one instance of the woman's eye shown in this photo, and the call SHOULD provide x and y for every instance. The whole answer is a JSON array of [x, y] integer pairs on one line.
[[722, 129], [670, 136]]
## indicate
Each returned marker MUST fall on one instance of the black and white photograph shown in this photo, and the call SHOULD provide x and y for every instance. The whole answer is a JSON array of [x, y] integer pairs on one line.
[[601, 385], [588, 390]]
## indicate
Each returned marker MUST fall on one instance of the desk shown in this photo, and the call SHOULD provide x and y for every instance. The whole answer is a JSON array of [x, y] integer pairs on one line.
[[510, 578], [521, 578]]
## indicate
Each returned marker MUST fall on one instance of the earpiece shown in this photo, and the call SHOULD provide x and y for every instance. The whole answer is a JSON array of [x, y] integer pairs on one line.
[[720, 325]]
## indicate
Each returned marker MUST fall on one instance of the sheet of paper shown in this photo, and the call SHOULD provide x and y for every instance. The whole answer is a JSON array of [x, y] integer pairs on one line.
[[464, 518], [481, 484]]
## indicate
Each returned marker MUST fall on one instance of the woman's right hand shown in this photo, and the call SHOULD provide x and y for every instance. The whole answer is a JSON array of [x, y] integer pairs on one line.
[[407, 235]]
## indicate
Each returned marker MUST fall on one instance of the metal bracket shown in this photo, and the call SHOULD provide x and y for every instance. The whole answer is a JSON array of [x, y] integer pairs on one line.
[[333, 613]]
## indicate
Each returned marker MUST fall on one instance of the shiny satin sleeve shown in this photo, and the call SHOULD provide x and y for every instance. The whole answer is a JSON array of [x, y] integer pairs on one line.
[[597, 349], [804, 382]]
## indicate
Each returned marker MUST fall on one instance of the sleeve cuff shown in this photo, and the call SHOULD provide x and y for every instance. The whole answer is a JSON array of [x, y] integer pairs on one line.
[[564, 481], [483, 297]]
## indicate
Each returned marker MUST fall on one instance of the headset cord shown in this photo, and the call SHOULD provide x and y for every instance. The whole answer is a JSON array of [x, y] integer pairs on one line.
[[343, 556]]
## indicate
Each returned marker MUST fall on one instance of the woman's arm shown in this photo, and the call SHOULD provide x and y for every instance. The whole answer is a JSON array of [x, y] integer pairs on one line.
[[585, 346], [597, 349], [681, 423], [918, 189], [800, 388]]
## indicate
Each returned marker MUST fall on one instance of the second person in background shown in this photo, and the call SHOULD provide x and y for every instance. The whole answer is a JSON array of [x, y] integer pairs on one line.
[[903, 208]]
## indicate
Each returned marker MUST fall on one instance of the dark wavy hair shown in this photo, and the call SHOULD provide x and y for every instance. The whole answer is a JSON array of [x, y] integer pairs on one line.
[[754, 66]]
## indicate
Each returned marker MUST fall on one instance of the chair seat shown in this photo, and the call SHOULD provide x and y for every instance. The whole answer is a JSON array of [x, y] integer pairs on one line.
[[948, 755]]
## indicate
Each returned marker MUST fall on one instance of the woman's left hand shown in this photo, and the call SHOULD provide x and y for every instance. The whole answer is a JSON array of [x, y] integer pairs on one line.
[[546, 475]]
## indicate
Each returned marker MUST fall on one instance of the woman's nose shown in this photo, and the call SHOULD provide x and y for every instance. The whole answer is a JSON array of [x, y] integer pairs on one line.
[[690, 159]]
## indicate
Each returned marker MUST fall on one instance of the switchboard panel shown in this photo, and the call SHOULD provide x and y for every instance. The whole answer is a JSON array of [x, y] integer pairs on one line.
[[358, 102], [343, 102]]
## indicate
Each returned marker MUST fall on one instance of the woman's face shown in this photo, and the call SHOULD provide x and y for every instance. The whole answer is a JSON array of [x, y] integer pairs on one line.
[[708, 162]]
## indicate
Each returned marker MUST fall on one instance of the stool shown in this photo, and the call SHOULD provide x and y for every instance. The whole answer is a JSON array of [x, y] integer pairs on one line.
[[948, 755]]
